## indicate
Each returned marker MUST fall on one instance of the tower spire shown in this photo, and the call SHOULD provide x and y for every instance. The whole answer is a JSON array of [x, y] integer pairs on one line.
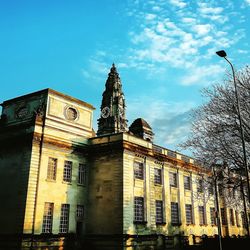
[[112, 118]]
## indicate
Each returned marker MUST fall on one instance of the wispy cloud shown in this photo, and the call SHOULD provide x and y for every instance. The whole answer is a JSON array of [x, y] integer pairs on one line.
[[247, 2], [184, 41], [202, 75], [178, 3]]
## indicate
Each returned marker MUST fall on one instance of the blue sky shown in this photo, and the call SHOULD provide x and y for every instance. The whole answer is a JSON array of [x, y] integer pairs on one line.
[[163, 50]]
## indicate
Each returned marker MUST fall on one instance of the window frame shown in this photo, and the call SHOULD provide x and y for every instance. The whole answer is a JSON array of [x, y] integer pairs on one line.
[[67, 171], [187, 185], [138, 170], [213, 218], [139, 210], [80, 212], [158, 176], [200, 186], [64, 219], [202, 215], [223, 212], [175, 214], [52, 169], [48, 212], [189, 214], [159, 216], [82, 174], [173, 182]]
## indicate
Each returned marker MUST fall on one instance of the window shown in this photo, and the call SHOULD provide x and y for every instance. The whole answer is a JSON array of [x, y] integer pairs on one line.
[[211, 188], [223, 213], [173, 179], [139, 209], [64, 219], [202, 218], [51, 173], [71, 114], [80, 212], [220, 190], [82, 174], [158, 176], [200, 186], [174, 213], [187, 182], [158, 212], [231, 213], [189, 214], [212, 216], [237, 218], [138, 170], [67, 171], [48, 217], [243, 219]]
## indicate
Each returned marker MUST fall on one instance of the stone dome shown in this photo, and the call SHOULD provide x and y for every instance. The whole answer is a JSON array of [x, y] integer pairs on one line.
[[141, 128]]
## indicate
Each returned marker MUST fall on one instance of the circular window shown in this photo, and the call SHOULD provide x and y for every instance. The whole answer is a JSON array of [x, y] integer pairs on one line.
[[71, 114], [22, 112]]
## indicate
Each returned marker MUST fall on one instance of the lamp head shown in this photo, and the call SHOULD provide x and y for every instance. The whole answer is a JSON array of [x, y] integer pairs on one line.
[[221, 53]]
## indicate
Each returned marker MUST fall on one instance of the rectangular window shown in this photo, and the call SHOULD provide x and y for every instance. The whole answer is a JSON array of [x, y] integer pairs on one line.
[[158, 212], [67, 171], [187, 182], [212, 216], [80, 212], [237, 218], [200, 186], [158, 176], [138, 170], [202, 218], [243, 219], [173, 179], [211, 188], [174, 213], [139, 209], [220, 188], [223, 216], [64, 219], [48, 217], [231, 213], [51, 173], [82, 174], [189, 214]]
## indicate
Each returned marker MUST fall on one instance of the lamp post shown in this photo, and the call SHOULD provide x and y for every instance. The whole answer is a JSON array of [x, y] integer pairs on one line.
[[223, 54], [215, 176]]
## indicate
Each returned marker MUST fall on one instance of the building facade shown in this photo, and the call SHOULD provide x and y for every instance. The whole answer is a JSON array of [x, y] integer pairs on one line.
[[64, 186]]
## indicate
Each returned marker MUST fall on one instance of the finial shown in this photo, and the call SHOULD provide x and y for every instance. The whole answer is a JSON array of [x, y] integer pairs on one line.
[[113, 68]]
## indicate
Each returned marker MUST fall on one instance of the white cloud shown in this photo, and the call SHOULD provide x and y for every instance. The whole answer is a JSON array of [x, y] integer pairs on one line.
[[178, 3], [188, 20], [202, 29], [150, 16], [206, 9], [247, 2], [203, 74]]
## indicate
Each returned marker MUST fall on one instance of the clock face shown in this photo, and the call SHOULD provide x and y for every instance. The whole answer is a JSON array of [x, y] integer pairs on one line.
[[105, 112]]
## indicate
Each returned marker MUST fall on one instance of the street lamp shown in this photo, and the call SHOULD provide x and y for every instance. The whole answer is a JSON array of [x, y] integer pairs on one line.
[[223, 54]]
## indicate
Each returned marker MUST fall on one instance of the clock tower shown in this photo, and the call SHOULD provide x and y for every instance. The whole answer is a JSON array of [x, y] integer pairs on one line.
[[112, 118]]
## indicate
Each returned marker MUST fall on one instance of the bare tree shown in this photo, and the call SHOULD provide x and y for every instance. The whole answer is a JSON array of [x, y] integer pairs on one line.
[[215, 136]]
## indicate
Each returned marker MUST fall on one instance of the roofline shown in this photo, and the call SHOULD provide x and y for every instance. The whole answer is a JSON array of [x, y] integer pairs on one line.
[[49, 91]]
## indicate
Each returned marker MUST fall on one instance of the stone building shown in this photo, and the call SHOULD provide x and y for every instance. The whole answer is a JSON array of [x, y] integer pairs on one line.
[[63, 186]]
